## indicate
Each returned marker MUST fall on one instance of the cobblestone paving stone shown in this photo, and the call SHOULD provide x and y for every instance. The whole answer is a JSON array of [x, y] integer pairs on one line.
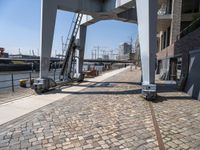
[[178, 117], [110, 115]]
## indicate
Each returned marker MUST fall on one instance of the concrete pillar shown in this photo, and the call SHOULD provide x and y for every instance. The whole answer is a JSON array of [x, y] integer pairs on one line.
[[83, 32], [147, 22], [48, 18]]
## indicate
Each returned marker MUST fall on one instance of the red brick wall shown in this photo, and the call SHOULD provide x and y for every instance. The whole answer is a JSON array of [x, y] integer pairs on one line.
[[166, 53], [184, 45]]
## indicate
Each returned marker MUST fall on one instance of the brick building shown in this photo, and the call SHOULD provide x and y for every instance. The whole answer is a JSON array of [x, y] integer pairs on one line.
[[178, 39]]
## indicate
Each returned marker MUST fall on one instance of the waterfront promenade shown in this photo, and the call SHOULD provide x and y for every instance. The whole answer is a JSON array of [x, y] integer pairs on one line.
[[106, 112]]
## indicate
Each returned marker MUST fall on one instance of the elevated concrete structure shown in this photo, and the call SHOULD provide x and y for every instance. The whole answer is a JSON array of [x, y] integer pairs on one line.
[[96, 10]]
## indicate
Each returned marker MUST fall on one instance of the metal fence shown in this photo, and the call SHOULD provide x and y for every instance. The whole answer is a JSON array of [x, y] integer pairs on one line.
[[11, 80]]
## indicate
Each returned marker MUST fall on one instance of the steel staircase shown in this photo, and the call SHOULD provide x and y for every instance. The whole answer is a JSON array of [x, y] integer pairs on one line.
[[66, 73]]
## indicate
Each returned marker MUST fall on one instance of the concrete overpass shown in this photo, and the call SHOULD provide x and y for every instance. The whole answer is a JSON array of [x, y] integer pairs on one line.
[[142, 12]]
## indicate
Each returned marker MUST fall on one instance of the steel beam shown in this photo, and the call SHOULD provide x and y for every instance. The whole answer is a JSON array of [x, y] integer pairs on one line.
[[48, 19], [146, 18], [80, 6], [94, 7], [129, 15], [82, 40], [147, 22]]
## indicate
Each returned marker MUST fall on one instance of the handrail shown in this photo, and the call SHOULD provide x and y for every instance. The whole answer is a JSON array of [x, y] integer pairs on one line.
[[192, 27]]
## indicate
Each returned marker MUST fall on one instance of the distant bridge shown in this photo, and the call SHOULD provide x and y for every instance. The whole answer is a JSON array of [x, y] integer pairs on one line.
[[58, 60]]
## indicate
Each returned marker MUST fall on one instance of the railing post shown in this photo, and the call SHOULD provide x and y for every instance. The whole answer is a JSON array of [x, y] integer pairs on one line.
[[54, 76], [30, 80], [12, 79]]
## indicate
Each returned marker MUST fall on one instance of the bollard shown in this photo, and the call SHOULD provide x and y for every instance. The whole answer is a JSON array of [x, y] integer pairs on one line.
[[12, 79]]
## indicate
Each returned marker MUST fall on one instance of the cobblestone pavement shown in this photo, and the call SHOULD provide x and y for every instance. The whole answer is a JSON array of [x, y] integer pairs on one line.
[[178, 117], [109, 115]]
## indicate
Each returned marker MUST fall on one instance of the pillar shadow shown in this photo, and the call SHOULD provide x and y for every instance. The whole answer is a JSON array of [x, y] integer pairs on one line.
[[165, 88], [161, 88], [125, 92]]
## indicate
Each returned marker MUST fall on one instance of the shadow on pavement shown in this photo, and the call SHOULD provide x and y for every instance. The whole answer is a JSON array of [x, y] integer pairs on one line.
[[126, 92], [162, 88], [169, 88], [160, 99]]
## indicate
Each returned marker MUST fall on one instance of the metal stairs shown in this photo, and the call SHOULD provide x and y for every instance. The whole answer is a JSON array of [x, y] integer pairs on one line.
[[67, 71]]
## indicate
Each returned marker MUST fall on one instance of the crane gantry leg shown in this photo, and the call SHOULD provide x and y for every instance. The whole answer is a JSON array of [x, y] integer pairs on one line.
[[82, 40], [147, 22], [48, 19]]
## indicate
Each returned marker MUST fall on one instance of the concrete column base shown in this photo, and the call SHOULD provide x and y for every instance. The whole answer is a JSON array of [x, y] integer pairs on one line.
[[81, 77], [149, 91], [43, 85]]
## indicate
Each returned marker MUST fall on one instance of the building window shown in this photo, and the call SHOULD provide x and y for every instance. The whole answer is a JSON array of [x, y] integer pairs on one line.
[[196, 6], [164, 39], [168, 36], [169, 6]]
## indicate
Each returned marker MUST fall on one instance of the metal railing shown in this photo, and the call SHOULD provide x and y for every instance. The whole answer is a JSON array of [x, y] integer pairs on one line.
[[11, 80], [192, 27]]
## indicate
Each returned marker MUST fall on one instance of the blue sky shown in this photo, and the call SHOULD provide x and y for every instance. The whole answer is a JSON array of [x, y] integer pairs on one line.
[[20, 28]]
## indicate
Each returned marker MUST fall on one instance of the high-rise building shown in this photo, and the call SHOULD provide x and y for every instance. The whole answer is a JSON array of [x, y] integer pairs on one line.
[[124, 51]]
